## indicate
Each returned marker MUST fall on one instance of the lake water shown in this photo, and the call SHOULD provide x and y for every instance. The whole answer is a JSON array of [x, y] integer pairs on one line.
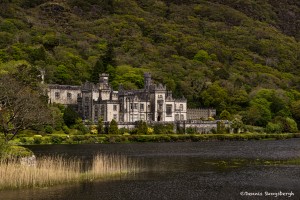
[[202, 170]]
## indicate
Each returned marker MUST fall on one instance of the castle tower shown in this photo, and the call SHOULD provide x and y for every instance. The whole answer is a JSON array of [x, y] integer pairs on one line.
[[103, 80], [147, 80]]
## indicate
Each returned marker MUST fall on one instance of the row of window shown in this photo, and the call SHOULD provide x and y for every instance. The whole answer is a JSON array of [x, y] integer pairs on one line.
[[179, 117], [57, 95], [135, 117], [134, 106]]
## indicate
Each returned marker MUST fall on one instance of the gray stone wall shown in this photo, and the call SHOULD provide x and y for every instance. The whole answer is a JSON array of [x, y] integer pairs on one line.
[[198, 114], [63, 94], [200, 126]]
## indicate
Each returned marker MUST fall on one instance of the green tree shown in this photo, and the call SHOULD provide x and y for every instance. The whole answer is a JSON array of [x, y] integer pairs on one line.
[[259, 113], [225, 115], [237, 123], [20, 108], [295, 108], [57, 120], [215, 96], [113, 127], [221, 129], [288, 124], [79, 125], [142, 128], [274, 127], [70, 116], [99, 68], [202, 56]]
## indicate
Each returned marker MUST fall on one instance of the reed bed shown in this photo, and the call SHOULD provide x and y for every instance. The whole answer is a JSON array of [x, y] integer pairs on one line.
[[55, 170], [107, 165]]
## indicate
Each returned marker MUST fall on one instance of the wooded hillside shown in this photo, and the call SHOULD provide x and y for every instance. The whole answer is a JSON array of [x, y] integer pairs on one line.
[[239, 56]]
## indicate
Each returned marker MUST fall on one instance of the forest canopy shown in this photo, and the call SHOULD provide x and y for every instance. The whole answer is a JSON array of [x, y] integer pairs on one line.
[[238, 56]]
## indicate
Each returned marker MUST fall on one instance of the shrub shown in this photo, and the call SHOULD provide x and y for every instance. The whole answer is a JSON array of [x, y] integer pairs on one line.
[[191, 130], [77, 138], [37, 139], [142, 128], [163, 129], [23, 140], [48, 129], [69, 141], [221, 127], [15, 152], [46, 140], [114, 139], [55, 139], [274, 128], [133, 131], [93, 129], [66, 129], [81, 127], [101, 139], [90, 140], [124, 130]]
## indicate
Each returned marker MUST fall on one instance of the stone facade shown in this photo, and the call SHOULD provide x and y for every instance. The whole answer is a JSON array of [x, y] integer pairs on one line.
[[93, 101], [199, 114]]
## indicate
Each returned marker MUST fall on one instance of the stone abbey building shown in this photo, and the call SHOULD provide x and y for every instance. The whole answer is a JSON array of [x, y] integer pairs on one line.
[[153, 103]]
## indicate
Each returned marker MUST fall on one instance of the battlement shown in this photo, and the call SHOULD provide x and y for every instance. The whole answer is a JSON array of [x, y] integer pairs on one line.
[[64, 87]]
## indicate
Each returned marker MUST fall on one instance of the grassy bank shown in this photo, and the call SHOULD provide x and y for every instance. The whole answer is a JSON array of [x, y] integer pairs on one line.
[[56, 170], [90, 139]]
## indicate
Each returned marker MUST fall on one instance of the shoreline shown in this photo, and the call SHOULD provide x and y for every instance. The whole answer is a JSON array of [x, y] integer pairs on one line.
[[112, 139]]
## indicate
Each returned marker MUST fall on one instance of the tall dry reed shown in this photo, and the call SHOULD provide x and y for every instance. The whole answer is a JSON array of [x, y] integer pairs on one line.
[[56, 170], [106, 165]]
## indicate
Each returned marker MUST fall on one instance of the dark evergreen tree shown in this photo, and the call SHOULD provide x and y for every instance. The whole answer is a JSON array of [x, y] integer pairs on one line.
[[100, 127], [70, 116], [113, 127], [102, 64], [142, 128]]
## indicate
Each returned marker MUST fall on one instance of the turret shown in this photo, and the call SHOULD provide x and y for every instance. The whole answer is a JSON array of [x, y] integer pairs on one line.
[[103, 80], [147, 80]]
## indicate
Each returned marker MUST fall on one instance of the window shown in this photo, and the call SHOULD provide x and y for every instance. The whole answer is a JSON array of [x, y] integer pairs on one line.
[[142, 117], [102, 109], [115, 117], [86, 99], [160, 107], [96, 112], [177, 117], [149, 108], [160, 96], [169, 109], [69, 96], [115, 108], [86, 111], [181, 117], [142, 107], [181, 107], [57, 95], [133, 106]]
